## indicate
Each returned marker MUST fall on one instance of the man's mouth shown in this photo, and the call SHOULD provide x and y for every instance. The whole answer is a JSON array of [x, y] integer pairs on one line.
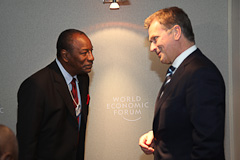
[[159, 54], [88, 66]]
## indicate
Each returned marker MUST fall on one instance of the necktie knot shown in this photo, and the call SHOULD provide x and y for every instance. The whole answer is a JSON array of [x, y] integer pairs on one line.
[[169, 74], [170, 71], [73, 82]]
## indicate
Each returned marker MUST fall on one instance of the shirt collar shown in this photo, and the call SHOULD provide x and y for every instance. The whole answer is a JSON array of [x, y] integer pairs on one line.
[[177, 62], [68, 78]]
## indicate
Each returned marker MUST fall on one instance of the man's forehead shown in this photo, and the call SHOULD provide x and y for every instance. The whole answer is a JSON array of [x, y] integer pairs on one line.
[[154, 29]]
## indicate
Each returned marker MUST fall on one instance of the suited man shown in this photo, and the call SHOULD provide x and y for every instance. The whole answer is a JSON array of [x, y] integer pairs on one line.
[[190, 109], [51, 123]]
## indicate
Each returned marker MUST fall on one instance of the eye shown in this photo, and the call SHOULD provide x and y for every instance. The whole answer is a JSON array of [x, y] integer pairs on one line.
[[154, 39], [85, 52]]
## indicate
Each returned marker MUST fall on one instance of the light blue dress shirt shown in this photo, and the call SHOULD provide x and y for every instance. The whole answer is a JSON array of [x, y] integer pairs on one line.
[[68, 78]]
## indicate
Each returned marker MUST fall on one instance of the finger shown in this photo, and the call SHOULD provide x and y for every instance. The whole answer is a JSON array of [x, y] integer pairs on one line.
[[149, 138], [148, 150], [149, 141], [142, 141]]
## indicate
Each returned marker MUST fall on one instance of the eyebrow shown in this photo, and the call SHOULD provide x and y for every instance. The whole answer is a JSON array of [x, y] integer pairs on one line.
[[152, 38], [87, 48]]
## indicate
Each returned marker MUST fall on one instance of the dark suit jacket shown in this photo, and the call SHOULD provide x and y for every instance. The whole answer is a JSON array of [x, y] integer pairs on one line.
[[47, 127], [189, 117]]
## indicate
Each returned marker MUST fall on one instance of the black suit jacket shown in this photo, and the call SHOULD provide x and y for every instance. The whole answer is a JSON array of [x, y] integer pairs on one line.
[[189, 117], [47, 127]]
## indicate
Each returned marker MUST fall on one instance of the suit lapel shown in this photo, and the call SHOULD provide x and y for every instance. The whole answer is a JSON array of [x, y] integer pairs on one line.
[[168, 89], [61, 87], [174, 80], [83, 92]]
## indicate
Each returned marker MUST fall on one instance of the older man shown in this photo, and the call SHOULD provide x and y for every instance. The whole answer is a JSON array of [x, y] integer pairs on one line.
[[53, 103]]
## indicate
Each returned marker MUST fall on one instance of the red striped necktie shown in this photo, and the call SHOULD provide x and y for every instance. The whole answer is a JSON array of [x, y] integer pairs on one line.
[[75, 95]]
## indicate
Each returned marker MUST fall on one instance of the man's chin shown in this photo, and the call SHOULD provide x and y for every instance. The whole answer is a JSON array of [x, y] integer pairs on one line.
[[163, 61], [85, 71]]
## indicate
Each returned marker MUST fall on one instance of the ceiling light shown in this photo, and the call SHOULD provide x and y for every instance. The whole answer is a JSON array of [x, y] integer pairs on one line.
[[114, 5]]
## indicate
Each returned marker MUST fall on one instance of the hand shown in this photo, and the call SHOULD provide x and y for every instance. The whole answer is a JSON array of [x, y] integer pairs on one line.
[[146, 142]]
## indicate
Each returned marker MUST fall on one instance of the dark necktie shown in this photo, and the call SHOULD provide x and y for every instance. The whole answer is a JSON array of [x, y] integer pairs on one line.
[[168, 78], [169, 75], [75, 94]]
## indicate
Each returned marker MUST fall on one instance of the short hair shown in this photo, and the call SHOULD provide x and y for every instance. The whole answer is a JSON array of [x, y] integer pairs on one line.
[[65, 40], [170, 17]]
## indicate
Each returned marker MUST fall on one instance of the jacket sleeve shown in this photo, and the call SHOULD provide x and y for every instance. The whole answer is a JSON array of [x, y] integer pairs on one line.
[[29, 117], [206, 102]]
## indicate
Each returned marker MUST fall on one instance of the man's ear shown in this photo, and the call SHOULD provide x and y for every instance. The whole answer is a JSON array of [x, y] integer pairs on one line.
[[7, 156], [177, 31], [64, 54]]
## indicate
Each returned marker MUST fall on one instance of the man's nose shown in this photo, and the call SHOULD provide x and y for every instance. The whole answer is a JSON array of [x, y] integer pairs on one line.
[[90, 56], [153, 47]]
